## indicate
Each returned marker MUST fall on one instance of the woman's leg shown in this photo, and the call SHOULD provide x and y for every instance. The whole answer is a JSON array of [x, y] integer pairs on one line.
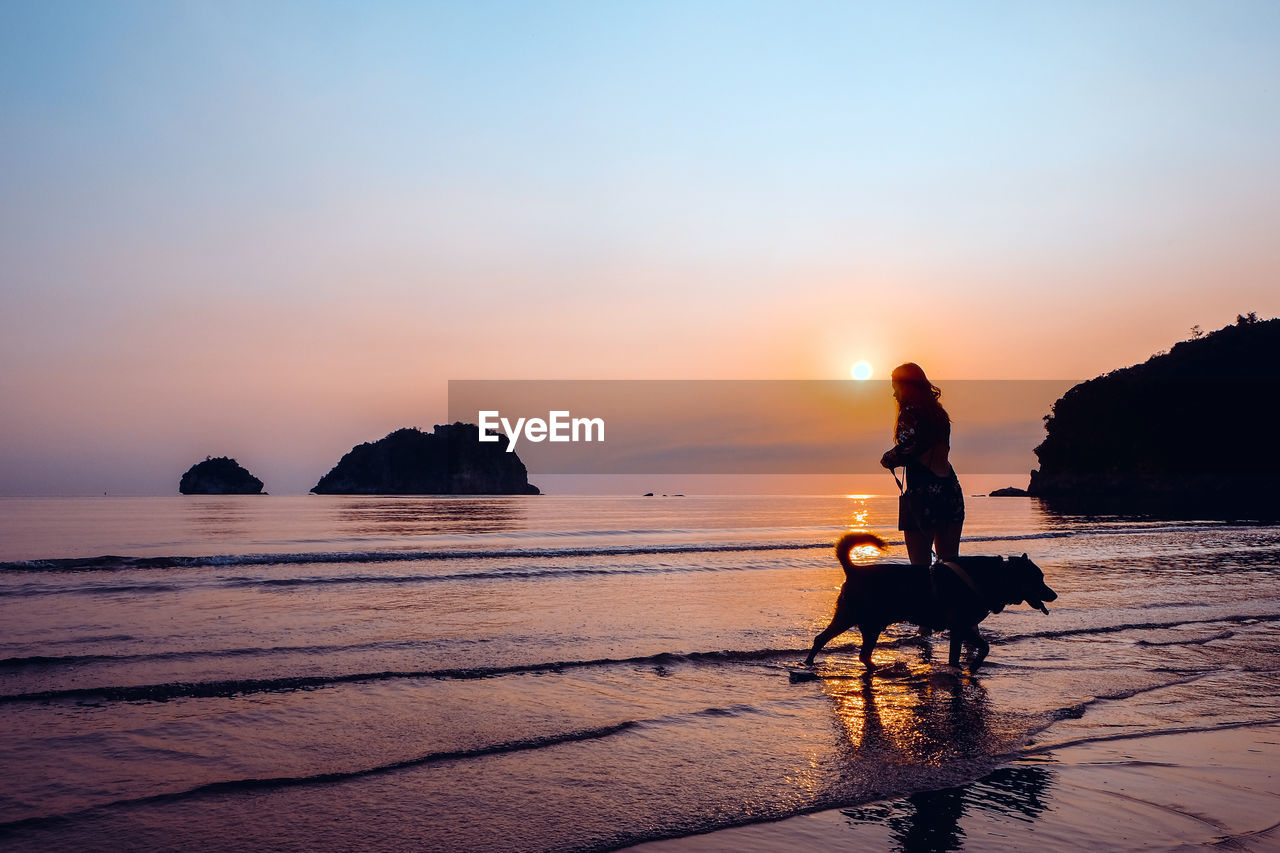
[[946, 542], [918, 546]]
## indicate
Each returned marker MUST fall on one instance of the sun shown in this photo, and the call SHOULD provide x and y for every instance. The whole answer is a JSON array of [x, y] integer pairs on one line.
[[861, 370]]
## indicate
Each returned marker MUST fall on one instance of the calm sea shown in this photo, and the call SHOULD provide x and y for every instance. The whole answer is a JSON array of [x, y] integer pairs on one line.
[[564, 673]]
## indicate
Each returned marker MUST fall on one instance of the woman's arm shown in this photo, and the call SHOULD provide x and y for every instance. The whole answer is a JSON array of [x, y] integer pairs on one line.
[[911, 441]]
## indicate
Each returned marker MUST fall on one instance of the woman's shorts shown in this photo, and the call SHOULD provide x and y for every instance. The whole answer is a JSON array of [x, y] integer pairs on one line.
[[930, 502]]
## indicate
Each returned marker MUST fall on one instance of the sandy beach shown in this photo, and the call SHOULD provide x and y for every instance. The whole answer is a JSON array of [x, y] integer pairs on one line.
[[1178, 791]]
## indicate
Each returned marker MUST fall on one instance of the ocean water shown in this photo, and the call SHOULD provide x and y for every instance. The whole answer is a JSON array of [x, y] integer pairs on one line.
[[566, 673]]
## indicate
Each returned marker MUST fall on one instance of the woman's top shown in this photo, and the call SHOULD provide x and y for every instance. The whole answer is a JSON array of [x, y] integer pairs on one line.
[[924, 439]]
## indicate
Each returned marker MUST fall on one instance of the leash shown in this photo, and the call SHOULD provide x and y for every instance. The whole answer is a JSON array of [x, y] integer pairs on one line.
[[964, 576], [990, 603]]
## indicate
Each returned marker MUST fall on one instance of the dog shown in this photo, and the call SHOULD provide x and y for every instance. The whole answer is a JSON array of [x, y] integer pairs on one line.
[[954, 595]]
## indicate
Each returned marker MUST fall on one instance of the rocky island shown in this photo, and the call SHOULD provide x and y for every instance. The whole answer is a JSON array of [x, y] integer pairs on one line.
[[1008, 492], [450, 460], [220, 476], [1188, 433]]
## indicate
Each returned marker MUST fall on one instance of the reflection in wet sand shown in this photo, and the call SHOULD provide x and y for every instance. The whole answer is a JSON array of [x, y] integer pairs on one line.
[[930, 820], [915, 715]]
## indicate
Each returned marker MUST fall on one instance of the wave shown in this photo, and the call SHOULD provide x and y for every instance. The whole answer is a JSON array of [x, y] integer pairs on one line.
[[257, 783], [1145, 733], [1221, 635], [517, 745], [32, 661], [72, 641], [26, 591], [114, 562], [111, 562], [225, 688], [362, 579], [237, 687], [251, 784], [1138, 626]]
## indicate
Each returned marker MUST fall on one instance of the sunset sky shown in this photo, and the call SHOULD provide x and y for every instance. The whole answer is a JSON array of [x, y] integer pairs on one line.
[[274, 230]]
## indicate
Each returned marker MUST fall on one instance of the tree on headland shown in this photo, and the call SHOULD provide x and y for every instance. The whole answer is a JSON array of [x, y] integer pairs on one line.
[[1186, 432]]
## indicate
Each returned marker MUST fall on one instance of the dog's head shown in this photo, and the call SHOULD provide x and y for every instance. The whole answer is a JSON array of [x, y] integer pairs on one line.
[[1023, 581]]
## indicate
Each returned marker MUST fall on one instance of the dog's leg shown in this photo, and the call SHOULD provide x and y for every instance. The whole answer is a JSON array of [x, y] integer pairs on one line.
[[957, 638], [981, 647], [926, 650], [828, 634], [870, 634]]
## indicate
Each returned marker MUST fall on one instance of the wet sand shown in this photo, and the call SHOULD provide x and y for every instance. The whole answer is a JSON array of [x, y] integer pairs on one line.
[[1176, 791]]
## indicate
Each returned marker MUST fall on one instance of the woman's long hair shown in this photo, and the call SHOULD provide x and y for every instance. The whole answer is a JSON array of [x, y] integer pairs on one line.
[[918, 393]]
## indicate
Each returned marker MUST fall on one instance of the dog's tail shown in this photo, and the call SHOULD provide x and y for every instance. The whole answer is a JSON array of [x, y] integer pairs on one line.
[[858, 539]]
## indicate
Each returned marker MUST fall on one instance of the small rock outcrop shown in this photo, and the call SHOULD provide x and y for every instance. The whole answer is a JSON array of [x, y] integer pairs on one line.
[[220, 476], [450, 460], [1008, 492], [1188, 433]]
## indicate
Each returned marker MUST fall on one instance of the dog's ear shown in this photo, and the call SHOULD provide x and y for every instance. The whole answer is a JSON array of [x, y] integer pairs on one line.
[[1024, 556], [1021, 575]]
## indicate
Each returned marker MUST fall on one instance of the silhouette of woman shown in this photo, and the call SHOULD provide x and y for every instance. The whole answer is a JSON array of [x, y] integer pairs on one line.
[[932, 514]]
